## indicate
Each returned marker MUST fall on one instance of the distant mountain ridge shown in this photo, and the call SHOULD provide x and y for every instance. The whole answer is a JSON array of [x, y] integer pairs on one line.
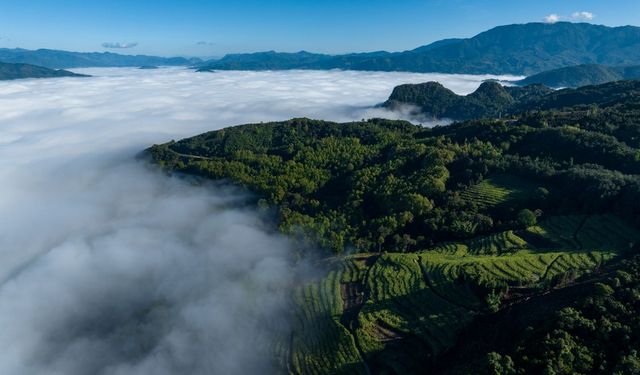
[[583, 75], [20, 71], [520, 49], [272, 60], [55, 59]]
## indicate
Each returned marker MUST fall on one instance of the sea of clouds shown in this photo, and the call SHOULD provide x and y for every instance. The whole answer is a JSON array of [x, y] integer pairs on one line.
[[108, 266]]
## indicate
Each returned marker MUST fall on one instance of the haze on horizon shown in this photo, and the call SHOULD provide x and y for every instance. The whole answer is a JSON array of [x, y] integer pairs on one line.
[[213, 28]]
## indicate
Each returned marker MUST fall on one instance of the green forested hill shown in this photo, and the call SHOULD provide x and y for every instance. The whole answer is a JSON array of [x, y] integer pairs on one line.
[[395, 186], [433, 237], [491, 99]]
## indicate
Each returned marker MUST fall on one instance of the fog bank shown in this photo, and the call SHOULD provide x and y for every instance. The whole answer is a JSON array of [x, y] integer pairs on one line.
[[107, 266]]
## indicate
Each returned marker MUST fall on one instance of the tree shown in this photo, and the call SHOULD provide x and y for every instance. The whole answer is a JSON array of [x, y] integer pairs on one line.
[[500, 365], [527, 218]]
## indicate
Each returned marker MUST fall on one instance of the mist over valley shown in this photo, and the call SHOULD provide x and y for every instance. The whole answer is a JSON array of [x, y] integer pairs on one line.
[[107, 260]]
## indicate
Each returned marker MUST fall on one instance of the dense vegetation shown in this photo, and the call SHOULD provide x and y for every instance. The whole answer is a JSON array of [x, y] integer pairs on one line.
[[18, 71], [486, 246], [591, 327], [582, 75], [392, 185], [513, 49]]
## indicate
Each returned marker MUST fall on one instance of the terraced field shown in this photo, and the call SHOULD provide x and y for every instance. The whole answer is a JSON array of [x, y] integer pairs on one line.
[[498, 190], [322, 344], [395, 312], [518, 269], [503, 242], [402, 307]]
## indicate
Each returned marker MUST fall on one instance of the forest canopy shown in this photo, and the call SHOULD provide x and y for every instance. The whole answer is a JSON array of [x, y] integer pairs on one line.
[[394, 186]]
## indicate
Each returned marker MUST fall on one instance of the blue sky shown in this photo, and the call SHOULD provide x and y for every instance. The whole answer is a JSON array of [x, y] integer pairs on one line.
[[213, 28]]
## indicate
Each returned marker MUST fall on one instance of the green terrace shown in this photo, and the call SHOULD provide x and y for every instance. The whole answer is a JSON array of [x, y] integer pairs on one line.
[[396, 311]]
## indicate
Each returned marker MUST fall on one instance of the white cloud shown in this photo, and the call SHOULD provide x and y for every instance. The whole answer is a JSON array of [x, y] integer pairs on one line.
[[552, 18], [117, 45], [576, 16], [110, 267], [583, 16]]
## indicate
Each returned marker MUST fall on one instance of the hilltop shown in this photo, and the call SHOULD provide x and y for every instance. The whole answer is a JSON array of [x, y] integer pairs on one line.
[[491, 99]]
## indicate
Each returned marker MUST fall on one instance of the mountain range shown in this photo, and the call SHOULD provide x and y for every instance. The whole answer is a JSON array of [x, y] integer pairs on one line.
[[18, 71], [519, 49], [55, 59]]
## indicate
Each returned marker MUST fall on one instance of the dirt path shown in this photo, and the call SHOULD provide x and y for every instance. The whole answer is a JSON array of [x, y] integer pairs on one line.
[[385, 333], [190, 156], [546, 271], [352, 300]]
